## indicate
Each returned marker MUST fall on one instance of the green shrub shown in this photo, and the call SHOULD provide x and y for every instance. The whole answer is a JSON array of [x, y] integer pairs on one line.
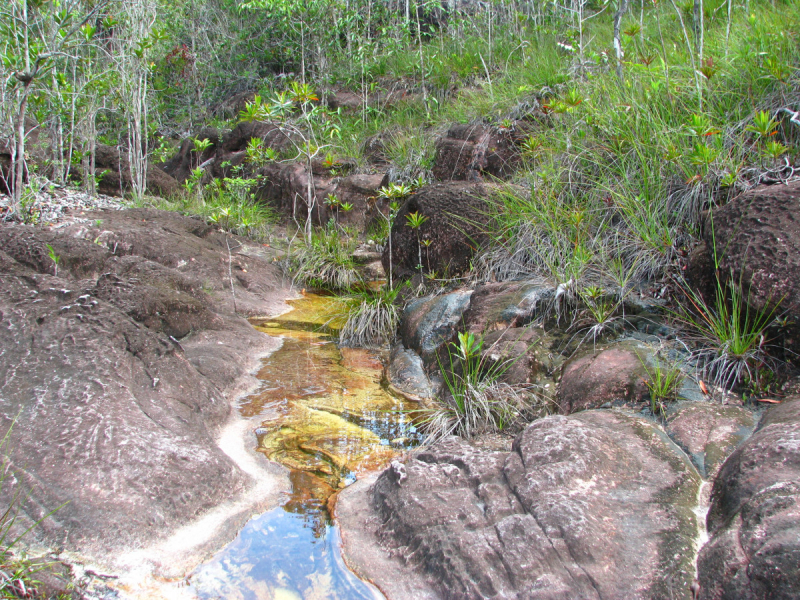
[[327, 261]]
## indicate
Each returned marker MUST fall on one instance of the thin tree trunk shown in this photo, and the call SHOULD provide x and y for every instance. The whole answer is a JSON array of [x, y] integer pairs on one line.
[[621, 10], [19, 159]]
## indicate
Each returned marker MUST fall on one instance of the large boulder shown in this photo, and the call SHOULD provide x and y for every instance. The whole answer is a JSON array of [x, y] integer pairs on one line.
[[596, 505], [114, 171], [428, 324], [117, 364], [285, 187], [754, 518], [507, 304], [456, 214], [473, 151], [180, 166], [756, 237]]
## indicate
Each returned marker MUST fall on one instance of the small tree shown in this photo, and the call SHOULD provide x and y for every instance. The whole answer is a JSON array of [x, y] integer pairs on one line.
[[32, 37]]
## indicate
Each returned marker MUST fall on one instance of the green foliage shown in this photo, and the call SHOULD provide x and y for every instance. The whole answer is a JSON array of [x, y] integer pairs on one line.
[[200, 146], [415, 220], [259, 155], [230, 203], [327, 260], [663, 381], [763, 124], [395, 191], [732, 333], [476, 400], [372, 317], [56, 258]]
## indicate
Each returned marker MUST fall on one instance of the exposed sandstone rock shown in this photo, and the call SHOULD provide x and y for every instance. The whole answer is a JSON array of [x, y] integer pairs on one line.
[[111, 414], [427, 324], [286, 188], [180, 166], [116, 179], [595, 505], [615, 374], [472, 151], [757, 239], [507, 304], [455, 213], [754, 519], [709, 433], [406, 375]]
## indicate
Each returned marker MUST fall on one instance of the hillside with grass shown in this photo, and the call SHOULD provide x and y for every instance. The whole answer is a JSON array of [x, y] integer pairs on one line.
[[569, 232]]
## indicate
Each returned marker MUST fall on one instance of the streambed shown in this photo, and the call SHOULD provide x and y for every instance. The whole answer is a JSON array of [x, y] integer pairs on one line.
[[320, 411]]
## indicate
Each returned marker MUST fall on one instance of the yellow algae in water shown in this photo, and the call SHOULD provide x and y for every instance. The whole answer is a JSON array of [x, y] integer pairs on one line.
[[311, 312], [320, 439]]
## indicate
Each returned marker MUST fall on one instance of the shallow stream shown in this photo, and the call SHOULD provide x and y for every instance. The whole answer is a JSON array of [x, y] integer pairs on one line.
[[320, 411]]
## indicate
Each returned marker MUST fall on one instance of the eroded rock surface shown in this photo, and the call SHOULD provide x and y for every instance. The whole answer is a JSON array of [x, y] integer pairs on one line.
[[754, 519], [115, 372], [507, 304], [709, 433], [474, 151], [613, 375], [594, 505], [455, 213], [757, 240], [115, 174]]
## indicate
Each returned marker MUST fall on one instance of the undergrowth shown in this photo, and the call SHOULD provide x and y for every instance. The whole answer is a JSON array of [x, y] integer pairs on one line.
[[327, 260], [476, 400], [372, 317]]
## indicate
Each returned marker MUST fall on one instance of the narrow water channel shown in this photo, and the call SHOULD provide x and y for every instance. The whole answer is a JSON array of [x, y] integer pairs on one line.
[[321, 412]]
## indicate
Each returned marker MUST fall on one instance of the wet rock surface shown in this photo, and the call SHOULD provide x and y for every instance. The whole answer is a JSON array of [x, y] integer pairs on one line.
[[406, 375], [709, 433], [115, 373], [429, 323], [594, 505], [612, 375], [754, 518]]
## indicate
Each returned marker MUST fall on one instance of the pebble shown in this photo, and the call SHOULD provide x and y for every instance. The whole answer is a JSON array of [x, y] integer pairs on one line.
[[51, 204]]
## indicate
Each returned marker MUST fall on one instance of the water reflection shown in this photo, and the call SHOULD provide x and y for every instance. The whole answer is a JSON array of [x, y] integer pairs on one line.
[[282, 555], [323, 413]]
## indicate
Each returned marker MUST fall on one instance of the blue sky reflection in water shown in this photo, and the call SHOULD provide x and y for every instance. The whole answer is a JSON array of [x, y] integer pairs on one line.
[[282, 555], [320, 411]]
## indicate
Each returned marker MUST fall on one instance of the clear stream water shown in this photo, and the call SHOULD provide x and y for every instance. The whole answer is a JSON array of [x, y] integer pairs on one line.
[[321, 412]]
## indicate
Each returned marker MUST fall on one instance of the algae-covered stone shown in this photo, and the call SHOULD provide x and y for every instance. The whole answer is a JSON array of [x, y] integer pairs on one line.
[[407, 377]]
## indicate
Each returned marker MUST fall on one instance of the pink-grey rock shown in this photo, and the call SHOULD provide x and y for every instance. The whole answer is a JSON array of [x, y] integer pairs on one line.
[[754, 518], [110, 414], [614, 375], [593, 505], [709, 433]]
